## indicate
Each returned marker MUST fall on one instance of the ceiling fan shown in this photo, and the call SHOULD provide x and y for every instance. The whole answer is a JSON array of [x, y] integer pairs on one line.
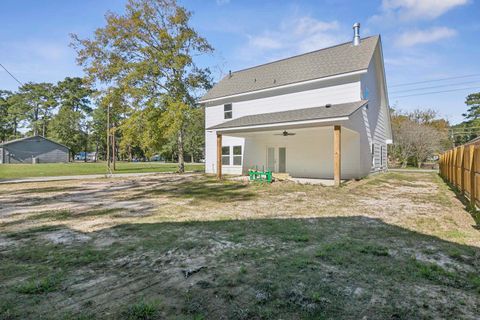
[[285, 134]]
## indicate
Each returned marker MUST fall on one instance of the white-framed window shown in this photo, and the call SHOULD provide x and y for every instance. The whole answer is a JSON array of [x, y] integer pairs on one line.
[[225, 156], [237, 155], [227, 111]]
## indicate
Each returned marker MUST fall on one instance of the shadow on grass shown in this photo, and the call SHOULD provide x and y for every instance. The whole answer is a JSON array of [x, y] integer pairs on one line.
[[322, 268], [205, 189], [474, 212], [61, 215], [165, 168], [47, 190]]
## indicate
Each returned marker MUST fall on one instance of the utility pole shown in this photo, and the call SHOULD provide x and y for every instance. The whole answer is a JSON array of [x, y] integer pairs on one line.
[[43, 126], [86, 141], [113, 148], [108, 138]]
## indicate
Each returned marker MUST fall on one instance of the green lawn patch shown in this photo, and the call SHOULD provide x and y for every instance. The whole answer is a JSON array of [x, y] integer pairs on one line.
[[16, 171], [142, 311], [39, 285]]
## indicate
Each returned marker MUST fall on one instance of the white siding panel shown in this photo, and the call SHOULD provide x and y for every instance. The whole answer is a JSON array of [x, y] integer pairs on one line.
[[359, 123], [340, 93], [376, 115]]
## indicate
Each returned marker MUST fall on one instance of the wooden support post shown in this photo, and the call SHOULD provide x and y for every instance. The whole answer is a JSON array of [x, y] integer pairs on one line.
[[455, 165], [462, 169], [471, 167], [441, 163], [450, 166], [446, 165], [337, 155], [219, 156]]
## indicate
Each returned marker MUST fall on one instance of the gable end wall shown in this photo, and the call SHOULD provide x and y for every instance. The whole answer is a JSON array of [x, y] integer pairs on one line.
[[376, 116]]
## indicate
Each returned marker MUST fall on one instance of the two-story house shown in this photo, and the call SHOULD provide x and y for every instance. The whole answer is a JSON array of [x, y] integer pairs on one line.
[[322, 114]]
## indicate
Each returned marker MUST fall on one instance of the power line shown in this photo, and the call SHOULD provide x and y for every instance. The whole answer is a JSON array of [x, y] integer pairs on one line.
[[439, 86], [434, 80], [435, 92], [11, 75]]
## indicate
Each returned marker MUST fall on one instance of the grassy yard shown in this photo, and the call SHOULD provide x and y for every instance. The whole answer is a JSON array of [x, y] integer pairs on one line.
[[393, 246], [13, 171]]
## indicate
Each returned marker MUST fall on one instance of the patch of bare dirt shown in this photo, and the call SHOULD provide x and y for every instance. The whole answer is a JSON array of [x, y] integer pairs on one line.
[[66, 237]]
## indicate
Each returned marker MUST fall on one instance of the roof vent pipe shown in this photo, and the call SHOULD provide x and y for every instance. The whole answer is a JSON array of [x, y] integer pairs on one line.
[[356, 34]]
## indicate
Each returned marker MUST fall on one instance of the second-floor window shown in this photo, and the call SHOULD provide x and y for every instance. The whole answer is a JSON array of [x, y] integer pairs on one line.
[[227, 111]]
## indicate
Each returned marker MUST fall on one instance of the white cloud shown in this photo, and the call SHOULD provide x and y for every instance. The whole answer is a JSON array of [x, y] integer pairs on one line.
[[412, 60], [416, 9], [310, 25], [294, 36], [412, 38], [222, 2], [265, 42]]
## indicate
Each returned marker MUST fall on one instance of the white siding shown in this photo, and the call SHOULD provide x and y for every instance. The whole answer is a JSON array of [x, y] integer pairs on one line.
[[337, 93], [358, 122], [332, 92], [376, 121]]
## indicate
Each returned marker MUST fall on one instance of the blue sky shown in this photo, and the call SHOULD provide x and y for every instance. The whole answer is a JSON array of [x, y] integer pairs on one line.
[[423, 39]]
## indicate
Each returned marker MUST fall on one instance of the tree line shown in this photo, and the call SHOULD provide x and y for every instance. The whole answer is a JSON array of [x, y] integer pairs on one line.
[[421, 135], [140, 77], [469, 128]]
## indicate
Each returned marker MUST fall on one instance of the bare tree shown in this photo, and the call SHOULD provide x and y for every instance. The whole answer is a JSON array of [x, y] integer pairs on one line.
[[417, 141], [404, 145], [427, 143]]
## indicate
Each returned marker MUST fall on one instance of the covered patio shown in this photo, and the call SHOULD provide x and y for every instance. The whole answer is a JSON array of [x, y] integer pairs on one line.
[[314, 143]]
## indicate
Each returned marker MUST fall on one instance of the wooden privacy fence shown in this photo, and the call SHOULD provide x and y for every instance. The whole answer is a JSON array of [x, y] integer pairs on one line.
[[461, 167]]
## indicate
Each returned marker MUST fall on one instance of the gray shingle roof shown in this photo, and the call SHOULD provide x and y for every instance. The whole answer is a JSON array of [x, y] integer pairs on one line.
[[315, 113], [343, 58]]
